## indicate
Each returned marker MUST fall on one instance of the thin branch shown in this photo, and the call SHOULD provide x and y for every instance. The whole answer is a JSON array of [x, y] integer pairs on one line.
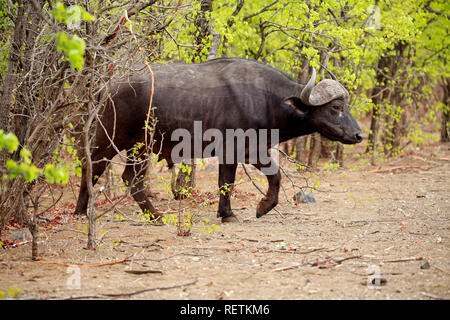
[[428, 7], [335, 18], [84, 265], [266, 8], [239, 6], [291, 159], [129, 294]]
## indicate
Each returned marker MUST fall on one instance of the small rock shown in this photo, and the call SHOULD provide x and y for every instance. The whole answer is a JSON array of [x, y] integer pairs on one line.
[[426, 265], [20, 235], [304, 197]]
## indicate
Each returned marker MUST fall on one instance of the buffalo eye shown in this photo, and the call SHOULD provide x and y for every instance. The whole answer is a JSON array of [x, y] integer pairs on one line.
[[337, 107]]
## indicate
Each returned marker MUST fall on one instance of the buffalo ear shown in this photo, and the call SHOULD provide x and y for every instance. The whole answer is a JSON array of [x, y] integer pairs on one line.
[[297, 104]]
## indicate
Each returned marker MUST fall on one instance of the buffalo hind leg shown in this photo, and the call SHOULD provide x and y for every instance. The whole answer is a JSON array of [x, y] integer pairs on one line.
[[134, 176], [98, 167], [270, 200], [227, 174]]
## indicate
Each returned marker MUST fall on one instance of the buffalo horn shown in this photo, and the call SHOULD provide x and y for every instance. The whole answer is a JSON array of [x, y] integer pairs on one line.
[[306, 92], [324, 92]]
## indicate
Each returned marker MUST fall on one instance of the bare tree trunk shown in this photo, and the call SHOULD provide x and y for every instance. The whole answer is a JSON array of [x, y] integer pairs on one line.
[[378, 94], [18, 124], [148, 172], [332, 150], [373, 134], [286, 147], [91, 113], [203, 27], [315, 150], [395, 135], [33, 227], [10, 207], [374, 126], [327, 148], [392, 132], [387, 71], [339, 158], [11, 76], [445, 123], [300, 148]]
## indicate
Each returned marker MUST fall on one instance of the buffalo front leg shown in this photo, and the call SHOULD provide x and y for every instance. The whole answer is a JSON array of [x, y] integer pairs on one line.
[[227, 174], [270, 200], [134, 176]]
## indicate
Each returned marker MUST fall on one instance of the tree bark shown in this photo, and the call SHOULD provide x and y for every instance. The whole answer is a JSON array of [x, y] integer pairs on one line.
[[379, 93], [300, 148], [339, 158], [10, 207], [10, 80], [387, 71], [445, 120], [375, 120], [315, 150], [203, 27], [286, 147], [327, 149], [392, 132]]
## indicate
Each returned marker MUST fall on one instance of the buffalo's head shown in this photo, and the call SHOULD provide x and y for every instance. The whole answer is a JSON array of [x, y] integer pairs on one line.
[[325, 107]]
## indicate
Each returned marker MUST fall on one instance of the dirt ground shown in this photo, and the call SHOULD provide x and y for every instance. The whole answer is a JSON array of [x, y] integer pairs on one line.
[[369, 235]]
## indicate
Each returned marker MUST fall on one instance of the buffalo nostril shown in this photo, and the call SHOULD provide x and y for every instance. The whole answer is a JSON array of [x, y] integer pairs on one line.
[[359, 137]]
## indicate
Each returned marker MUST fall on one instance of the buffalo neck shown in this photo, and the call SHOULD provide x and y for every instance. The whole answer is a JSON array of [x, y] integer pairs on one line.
[[291, 123]]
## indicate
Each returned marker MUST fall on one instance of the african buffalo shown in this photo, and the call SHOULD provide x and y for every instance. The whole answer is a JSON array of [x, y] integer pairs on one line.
[[226, 93]]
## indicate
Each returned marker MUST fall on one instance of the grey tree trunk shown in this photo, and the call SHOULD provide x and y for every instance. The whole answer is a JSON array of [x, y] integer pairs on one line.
[[392, 132], [12, 207], [378, 94], [327, 149], [445, 122], [300, 148], [315, 146], [10, 80], [387, 70], [339, 158]]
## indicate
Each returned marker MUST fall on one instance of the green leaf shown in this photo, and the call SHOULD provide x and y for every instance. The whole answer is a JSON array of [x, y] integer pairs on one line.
[[8, 141], [73, 48], [57, 175]]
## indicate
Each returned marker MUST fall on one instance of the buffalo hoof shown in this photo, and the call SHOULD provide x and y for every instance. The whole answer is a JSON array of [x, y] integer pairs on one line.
[[231, 218], [258, 214], [263, 208]]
